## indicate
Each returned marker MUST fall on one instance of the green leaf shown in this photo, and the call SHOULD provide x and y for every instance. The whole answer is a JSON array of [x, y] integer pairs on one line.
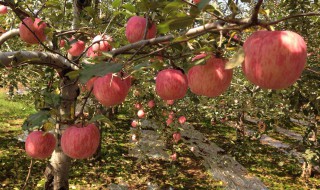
[[172, 7], [100, 69], [101, 118], [202, 4], [129, 7], [236, 60], [73, 74], [116, 3], [141, 65], [36, 120]]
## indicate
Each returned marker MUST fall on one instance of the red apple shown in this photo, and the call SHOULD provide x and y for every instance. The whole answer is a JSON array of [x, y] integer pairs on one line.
[[110, 90], [135, 29], [138, 106], [171, 84], [171, 115], [134, 138], [210, 79], [90, 83], [169, 121], [151, 104], [196, 1], [62, 43], [176, 137], [141, 113], [3, 9], [36, 26], [77, 48], [134, 123], [79, 141], [170, 102], [182, 119], [40, 145], [101, 43], [173, 157], [274, 59]]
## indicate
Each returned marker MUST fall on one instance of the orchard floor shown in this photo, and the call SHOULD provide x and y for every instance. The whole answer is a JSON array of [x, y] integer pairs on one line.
[[276, 170]]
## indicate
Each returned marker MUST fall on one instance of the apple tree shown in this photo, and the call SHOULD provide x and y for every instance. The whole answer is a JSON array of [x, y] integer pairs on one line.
[[222, 56]]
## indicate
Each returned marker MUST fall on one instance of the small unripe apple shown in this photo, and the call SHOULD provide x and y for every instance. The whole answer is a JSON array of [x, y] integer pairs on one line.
[[80, 141], [176, 137], [171, 84], [182, 119], [151, 104], [135, 29], [36, 26], [141, 114], [211, 79], [3, 9], [40, 145], [274, 59], [77, 48]]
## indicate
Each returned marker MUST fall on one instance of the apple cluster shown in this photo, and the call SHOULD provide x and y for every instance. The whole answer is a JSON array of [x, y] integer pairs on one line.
[[78, 141]]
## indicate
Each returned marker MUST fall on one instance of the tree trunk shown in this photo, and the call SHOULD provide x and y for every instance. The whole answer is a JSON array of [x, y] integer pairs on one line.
[[57, 172]]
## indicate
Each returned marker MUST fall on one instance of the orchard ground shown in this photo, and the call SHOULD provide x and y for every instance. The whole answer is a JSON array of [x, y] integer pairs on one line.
[[275, 169]]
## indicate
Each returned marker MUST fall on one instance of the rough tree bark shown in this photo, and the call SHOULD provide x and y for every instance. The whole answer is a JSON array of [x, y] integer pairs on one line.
[[57, 171]]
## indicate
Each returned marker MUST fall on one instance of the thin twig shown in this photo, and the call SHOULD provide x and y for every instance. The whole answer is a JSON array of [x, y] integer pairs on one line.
[[84, 103], [290, 17], [28, 176]]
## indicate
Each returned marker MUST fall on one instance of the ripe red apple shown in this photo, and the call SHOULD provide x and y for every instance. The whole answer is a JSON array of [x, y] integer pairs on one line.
[[141, 113], [171, 115], [170, 102], [173, 157], [176, 137], [134, 138], [3, 9], [62, 43], [274, 59], [90, 83], [182, 119], [110, 90], [79, 141], [36, 26], [101, 43], [138, 106], [134, 123], [40, 145], [169, 121], [151, 104], [171, 84], [135, 29], [77, 48], [210, 79], [196, 1]]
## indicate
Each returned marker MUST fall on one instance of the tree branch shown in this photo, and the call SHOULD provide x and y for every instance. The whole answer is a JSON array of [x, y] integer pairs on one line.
[[194, 31], [290, 17], [17, 58], [255, 12], [7, 35]]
